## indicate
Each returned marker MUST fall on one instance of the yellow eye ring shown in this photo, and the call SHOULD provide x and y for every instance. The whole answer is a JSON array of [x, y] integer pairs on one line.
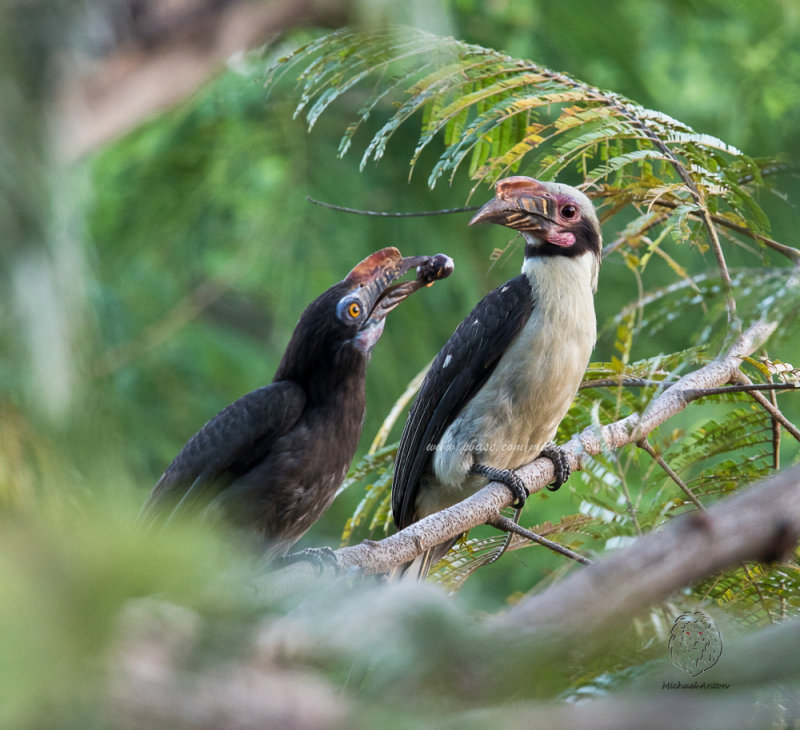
[[354, 310]]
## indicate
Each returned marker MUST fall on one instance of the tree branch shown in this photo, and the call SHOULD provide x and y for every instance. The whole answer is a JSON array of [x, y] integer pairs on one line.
[[511, 527], [644, 444], [791, 253], [770, 408], [485, 505], [179, 50], [762, 523], [690, 395]]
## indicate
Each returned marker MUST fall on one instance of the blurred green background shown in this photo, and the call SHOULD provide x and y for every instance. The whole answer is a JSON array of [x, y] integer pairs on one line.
[[204, 249], [155, 280]]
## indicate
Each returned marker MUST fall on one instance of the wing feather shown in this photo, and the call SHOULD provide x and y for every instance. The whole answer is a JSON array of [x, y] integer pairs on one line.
[[237, 438], [457, 373]]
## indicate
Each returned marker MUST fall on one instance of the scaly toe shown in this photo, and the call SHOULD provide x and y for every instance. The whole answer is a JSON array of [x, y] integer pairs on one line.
[[560, 465], [321, 557]]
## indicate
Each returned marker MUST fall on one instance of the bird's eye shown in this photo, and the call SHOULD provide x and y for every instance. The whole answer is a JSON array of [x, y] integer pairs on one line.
[[569, 211], [349, 310]]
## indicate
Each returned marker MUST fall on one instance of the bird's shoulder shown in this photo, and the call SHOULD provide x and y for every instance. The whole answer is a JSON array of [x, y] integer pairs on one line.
[[239, 435], [497, 318]]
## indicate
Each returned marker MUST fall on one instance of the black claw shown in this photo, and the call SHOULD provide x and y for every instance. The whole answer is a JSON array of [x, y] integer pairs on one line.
[[322, 557], [518, 490], [560, 465]]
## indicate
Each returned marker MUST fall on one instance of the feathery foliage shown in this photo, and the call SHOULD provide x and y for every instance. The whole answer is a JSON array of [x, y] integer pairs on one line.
[[499, 115], [671, 195]]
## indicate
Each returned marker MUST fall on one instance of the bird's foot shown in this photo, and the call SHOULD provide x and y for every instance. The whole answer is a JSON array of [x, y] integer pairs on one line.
[[322, 557], [560, 464], [518, 490]]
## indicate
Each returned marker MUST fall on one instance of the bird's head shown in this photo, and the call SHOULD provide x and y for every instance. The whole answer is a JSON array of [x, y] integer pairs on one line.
[[341, 326], [369, 291], [553, 218]]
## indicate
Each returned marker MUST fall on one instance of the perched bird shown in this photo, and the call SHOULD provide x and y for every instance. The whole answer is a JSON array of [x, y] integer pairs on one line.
[[496, 392], [273, 460]]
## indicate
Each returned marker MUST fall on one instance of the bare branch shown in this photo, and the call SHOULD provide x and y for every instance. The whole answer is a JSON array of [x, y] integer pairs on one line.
[[484, 506], [776, 434], [771, 409], [744, 388], [145, 75], [791, 253], [690, 394], [504, 523], [645, 445], [702, 212], [761, 523]]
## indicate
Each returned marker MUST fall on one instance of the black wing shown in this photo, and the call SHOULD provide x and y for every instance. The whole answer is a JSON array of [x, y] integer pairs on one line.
[[459, 371], [230, 444]]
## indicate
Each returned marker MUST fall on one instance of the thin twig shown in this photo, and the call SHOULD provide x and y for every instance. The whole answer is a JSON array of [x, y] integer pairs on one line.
[[695, 393], [392, 214], [631, 508], [776, 434], [778, 167], [625, 383], [772, 410], [509, 534], [692, 393], [645, 445], [783, 598], [789, 251], [507, 525], [699, 201], [759, 592], [621, 240]]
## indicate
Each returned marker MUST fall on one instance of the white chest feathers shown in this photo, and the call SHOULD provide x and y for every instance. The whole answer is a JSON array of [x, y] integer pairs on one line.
[[521, 404]]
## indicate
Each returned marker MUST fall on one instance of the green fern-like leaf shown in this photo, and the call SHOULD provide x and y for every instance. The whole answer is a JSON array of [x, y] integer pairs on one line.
[[502, 113], [755, 594], [376, 470]]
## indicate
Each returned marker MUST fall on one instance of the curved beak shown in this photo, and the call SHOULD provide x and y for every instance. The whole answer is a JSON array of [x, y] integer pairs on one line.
[[521, 203], [373, 279]]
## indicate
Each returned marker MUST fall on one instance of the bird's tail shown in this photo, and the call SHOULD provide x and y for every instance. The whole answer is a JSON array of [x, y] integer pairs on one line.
[[419, 567]]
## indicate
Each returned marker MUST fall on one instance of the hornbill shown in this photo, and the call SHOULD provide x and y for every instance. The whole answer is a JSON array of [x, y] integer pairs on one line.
[[272, 461], [498, 389]]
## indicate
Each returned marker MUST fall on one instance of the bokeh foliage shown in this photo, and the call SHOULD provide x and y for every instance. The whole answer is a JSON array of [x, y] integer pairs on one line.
[[151, 284]]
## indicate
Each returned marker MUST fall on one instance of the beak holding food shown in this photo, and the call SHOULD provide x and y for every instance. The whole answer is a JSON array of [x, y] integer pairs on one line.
[[373, 282]]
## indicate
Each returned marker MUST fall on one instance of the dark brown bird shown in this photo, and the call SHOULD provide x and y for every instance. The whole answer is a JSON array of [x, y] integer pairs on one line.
[[272, 461]]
